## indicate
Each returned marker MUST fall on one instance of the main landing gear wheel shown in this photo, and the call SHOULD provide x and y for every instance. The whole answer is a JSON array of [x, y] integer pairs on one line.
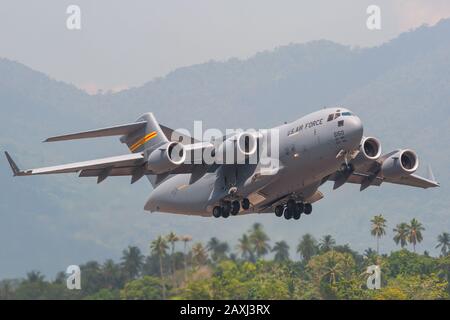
[[235, 207], [279, 210], [300, 207], [217, 212], [226, 209], [308, 208], [287, 214], [245, 204]]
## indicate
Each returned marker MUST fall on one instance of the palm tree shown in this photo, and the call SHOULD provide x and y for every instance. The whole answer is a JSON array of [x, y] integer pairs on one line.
[[159, 248], [35, 276], [172, 238], [307, 247], [371, 256], [111, 274], [444, 243], [335, 267], [199, 254], [132, 261], [245, 248], [259, 240], [415, 229], [326, 243], [378, 229], [185, 239], [218, 249], [401, 234], [281, 249]]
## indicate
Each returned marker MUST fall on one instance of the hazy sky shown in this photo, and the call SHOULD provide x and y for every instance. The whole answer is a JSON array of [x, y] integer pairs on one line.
[[126, 43]]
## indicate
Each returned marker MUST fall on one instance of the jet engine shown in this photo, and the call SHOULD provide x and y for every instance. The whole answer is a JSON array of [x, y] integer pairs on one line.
[[166, 157], [402, 163], [237, 148], [369, 150]]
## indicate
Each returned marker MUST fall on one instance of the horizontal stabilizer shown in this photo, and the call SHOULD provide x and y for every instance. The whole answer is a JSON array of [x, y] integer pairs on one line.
[[123, 129]]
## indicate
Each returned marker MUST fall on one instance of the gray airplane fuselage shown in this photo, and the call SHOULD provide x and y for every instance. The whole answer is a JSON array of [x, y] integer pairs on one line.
[[308, 152]]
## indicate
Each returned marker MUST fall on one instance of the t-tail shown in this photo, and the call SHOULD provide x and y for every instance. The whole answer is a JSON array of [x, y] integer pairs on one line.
[[142, 137]]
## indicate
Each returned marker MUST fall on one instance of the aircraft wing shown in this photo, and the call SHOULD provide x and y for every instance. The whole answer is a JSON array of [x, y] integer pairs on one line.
[[103, 167], [370, 175]]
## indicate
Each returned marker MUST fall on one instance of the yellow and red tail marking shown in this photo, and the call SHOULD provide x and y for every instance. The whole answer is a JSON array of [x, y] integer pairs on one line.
[[143, 140]]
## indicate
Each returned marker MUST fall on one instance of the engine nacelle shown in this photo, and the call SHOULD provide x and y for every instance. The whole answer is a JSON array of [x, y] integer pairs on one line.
[[166, 157], [369, 150], [237, 148], [402, 163]]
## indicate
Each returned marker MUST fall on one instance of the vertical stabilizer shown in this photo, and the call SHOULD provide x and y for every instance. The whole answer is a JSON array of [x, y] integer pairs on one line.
[[148, 137]]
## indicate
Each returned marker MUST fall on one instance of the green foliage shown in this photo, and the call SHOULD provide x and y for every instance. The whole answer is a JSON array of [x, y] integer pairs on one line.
[[414, 287], [404, 262], [281, 249], [326, 271], [146, 288], [132, 262], [444, 243], [307, 247], [104, 294]]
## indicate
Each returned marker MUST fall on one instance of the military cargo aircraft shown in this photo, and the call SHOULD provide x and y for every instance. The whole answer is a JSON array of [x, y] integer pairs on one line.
[[327, 145]]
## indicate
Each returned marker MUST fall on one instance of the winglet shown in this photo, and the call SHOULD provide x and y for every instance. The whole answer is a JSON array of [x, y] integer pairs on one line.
[[430, 174], [15, 169]]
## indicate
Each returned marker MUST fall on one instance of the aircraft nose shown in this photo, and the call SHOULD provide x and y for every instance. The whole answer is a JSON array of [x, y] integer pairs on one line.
[[354, 130]]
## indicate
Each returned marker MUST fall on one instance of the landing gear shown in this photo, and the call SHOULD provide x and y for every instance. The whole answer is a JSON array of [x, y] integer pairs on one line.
[[293, 209], [296, 214], [300, 207], [226, 209], [217, 212], [245, 204], [229, 208], [287, 214], [308, 208], [279, 210], [235, 207]]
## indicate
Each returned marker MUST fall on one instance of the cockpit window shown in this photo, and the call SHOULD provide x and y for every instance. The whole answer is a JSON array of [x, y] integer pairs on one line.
[[337, 115], [346, 113], [330, 117]]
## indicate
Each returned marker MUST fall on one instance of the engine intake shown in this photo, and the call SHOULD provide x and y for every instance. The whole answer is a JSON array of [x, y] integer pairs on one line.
[[402, 163], [247, 144], [237, 149], [370, 148], [166, 157]]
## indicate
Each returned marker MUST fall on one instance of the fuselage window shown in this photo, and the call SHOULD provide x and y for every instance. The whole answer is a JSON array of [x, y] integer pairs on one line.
[[340, 123]]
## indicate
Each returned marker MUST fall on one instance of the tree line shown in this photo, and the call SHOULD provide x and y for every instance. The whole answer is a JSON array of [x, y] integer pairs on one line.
[[176, 268]]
